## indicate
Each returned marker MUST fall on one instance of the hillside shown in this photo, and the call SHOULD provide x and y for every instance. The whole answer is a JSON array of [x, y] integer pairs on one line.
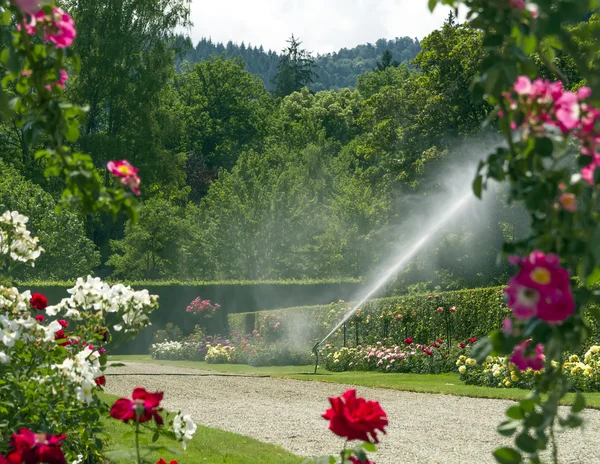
[[335, 70]]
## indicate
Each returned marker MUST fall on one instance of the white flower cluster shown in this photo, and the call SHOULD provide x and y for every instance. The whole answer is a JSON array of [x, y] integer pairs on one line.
[[16, 241], [184, 428], [82, 369], [174, 350], [15, 322], [13, 300], [93, 295]]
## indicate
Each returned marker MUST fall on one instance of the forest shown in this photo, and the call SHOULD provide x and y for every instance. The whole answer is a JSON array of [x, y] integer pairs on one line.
[[260, 165]]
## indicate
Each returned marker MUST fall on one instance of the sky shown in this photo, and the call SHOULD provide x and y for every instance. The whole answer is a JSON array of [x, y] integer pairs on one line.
[[322, 25]]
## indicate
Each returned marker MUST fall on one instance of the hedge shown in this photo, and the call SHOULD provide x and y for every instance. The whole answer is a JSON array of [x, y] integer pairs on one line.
[[234, 297], [478, 311]]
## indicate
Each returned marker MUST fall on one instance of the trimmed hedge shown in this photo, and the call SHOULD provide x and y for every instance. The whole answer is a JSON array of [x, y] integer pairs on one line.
[[234, 297], [478, 311]]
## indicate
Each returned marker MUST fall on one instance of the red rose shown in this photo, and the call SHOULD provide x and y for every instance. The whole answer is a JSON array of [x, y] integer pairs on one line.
[[39, 318], [452, 309], [408, 340], [428, 352], [354, 460], [462, 345], [63, 323], [429, 298], [30, 447], [472, 340], [124, 408], [355, 418], [38, 301], [60, 335], [440, 310], [100, 381], [4, 460], [162, 461]]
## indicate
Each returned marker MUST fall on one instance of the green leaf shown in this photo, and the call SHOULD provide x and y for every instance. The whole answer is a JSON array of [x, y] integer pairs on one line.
[[508, 456], [515, 412], [432, 5], [117, 365], [579, 403], [507, 428], [156, 436], [593, 278], [526, 443], [370, 447], [478, 186]]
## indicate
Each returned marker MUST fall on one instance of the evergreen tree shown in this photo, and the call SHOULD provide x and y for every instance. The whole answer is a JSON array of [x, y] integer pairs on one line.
[[386, 62], [295, 70]]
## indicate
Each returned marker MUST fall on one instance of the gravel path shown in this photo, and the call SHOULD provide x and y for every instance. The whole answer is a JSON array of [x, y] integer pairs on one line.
[[424, 428]]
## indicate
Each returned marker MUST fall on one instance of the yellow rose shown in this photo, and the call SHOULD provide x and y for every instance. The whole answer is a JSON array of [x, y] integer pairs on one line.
[[471, 362], [462, 369], [489, 360], [496, 374], [507, 383], [574, 358], [514, 378]]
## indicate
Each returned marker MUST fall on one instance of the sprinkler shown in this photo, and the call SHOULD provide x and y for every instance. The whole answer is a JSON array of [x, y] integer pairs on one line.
[[402, 260], [316, 352]]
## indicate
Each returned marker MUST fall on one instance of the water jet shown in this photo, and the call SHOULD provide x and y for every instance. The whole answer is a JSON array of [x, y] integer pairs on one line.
[[401, 261]]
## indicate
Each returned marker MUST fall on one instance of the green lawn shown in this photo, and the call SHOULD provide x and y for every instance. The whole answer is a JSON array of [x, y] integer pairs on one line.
[[446, 384], [208, 446]]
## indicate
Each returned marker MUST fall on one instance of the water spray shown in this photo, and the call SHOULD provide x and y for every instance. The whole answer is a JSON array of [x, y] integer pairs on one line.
[[403, 259]]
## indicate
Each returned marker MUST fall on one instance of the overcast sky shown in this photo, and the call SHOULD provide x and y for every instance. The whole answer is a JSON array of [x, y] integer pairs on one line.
[[323, 25]]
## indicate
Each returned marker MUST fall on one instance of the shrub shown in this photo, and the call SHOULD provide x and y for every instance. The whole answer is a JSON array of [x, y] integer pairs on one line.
[[171, 332], [499, 372], [410, 357]]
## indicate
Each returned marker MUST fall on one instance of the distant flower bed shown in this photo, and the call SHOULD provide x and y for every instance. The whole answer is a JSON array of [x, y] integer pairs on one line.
[[583, 372], [250, 349], [410, 357]]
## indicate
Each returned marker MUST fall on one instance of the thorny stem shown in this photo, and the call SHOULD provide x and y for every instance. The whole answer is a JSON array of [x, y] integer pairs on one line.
[[343, 453]]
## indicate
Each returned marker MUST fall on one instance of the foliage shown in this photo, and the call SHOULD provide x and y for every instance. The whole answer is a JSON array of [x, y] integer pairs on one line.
[[51, 370], [153, 247], [171, 332], [57, 230], [434, 358], [478, 311], [556, 181], [582, 372], [337, 70], [295, 69]]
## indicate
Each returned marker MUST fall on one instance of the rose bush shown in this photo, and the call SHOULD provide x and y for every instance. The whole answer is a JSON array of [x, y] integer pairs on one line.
[[410, 357], [52, 358]]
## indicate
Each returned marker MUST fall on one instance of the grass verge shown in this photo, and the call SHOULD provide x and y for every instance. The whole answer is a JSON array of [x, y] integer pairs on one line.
[[446, 384], [207, 446]]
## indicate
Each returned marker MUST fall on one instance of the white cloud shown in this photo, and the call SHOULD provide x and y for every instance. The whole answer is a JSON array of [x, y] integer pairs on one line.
[[323, 25]]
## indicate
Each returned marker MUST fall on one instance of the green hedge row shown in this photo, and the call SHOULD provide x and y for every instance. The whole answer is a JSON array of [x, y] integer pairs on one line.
[[233, 298], [478, 311]]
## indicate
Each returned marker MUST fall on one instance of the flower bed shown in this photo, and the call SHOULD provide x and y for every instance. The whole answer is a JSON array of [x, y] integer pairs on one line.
[[410, 357], [250, 349], [582, 372]]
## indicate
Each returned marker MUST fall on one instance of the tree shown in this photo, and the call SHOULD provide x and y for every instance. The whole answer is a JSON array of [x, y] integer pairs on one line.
[[154, 247], [386, 62], [57, 231], [224, 111], [295, 69]]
